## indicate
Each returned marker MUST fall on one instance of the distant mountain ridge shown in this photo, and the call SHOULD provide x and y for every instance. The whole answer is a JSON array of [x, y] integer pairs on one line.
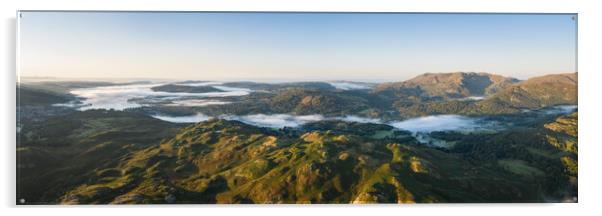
[[451, 85], [534, 93], [426, 94], [542, 91]]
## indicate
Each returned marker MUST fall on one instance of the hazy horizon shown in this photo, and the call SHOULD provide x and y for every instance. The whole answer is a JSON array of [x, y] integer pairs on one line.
[[287, 47], [263, 80]]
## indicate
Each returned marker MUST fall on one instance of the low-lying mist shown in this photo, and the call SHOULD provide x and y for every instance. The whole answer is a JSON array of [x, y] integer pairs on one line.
[[348, 85], [120, 97], [440, 123], [183, 119], [268, 120], [422, 124], [275, 120]]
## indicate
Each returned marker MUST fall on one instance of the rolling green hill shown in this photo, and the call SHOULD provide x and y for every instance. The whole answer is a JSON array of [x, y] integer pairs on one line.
[[229, 162], [309, 101], [299, 101], [70, 156], [61, 151]]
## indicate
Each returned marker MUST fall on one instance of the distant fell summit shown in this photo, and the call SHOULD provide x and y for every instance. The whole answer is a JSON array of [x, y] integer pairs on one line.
[[542, 91], [451, 85]]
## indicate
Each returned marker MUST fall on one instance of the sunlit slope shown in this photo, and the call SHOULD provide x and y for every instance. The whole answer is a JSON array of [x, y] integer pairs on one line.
[[534, 93], [565, 139], [448, 85], [549, 90], [229, 162], [60, 152]]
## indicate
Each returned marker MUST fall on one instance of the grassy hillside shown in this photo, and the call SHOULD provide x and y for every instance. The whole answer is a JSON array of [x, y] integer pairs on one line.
[[62, 151], [229, 162], [300, 101], [99, 156], [305, 101], [545, 155]]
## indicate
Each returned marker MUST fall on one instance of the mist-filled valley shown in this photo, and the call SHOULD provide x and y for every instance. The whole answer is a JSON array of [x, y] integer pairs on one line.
[[439, 137]]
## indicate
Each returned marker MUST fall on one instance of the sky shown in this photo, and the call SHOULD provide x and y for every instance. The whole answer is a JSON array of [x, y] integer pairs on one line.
[[291, 46]]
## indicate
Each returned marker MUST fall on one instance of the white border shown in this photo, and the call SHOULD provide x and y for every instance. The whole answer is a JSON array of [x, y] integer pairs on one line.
[[590, 122]]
